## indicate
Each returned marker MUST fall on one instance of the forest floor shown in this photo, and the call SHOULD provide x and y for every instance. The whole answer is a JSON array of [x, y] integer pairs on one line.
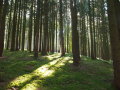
[[20, 71]]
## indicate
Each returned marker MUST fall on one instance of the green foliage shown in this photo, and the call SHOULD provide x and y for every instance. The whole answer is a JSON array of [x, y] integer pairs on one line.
[[21, 71]]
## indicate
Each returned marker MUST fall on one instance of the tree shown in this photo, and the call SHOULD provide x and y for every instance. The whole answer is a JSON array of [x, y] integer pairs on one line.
[[14, 26], [40, 28], [45, 42], [24, 24], [18, 26], [114, 24], [75, 36], [10, 25], [61, 29], [37, 23], [1, 31], [3, 13], [30, 27]]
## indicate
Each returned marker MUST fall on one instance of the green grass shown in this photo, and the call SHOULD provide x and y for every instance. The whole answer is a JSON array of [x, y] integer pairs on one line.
[[19, 70]]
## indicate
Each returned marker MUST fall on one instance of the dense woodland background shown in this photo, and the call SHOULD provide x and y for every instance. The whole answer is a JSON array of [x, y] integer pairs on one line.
[[46, 26], [88, 28]]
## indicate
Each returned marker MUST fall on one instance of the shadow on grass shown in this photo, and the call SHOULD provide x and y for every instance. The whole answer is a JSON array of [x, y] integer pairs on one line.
[[67, 77], [57, 73], [19, 64]]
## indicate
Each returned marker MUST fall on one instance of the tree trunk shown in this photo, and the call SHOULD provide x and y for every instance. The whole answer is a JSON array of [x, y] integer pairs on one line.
[[44, 48], [1, 31], [114, 24], [2, 24], [10, 26], [75, 36], [30, 27], [24, 24], [18, 27], [61, 30], [14, 27], [37, 23]]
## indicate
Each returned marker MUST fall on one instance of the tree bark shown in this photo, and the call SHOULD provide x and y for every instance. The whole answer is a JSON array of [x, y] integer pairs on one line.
[[3, 13], [114, 24], [1, 31], [37, 23], [14, 27], [61, 30], [30, 27], [75, 36], [24, 24], [44, 48]]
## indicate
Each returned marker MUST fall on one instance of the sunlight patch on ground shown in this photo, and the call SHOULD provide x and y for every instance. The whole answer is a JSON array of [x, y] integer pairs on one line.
[[41, 72], [33, 85], [51, 57], [21, 79], [70, 61]]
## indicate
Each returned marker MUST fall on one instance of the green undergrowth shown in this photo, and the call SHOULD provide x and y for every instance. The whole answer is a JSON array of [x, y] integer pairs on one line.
[[20, 71]]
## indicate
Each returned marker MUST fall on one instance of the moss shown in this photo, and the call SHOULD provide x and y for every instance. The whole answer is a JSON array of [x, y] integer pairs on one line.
[[21, 71]]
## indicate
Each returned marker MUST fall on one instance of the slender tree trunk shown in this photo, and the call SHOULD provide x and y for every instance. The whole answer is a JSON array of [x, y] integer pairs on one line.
[[37, 23], [94, 31], [1, 31], [18, 27], [91, 31], [61, 30], [30, 27], [68, 31], [10, 26], [24, 25], [56, 32], [44, 49], [14, 27], [21, 20], [41, 27]]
